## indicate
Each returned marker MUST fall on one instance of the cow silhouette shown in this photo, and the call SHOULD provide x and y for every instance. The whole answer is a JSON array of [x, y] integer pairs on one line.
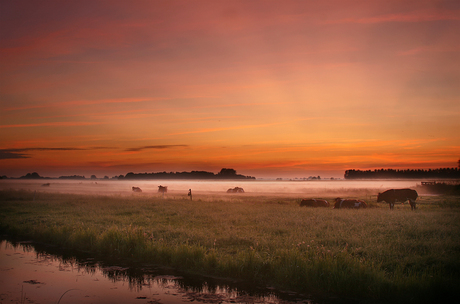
[[314, 203], [349, 203], [137, 189], [398, 195], [235, 190]]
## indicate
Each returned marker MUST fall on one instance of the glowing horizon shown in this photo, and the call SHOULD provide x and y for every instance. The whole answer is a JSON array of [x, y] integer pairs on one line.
[[270, 89]]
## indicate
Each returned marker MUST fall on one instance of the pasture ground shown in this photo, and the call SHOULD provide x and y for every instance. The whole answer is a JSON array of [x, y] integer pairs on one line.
[[372, 255]]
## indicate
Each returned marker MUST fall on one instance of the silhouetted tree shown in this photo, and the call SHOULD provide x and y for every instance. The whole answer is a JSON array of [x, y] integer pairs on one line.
[[227, 172], [33, 175]]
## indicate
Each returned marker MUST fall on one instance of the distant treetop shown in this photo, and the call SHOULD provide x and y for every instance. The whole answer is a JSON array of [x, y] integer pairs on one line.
[[33, 175], [227, 172], [72, 177], [442, 173]]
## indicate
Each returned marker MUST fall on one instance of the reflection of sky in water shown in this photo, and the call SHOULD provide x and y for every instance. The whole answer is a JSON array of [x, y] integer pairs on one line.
[[54, 277], [28, 277]]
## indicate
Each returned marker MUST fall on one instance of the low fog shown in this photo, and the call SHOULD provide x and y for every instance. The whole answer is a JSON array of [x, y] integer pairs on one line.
[[181, 187]]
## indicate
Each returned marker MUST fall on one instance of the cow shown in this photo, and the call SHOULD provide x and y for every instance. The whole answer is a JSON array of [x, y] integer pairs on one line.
[[349, 203], [398, 195], [314, 203], [137, 189], [46, 185], [162, 189], [235, 190]]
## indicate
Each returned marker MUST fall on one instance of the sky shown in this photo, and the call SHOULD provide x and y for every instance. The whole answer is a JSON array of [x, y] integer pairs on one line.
[[272, 89]]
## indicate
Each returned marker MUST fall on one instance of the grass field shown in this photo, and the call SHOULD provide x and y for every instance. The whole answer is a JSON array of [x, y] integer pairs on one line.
[[374, 254]]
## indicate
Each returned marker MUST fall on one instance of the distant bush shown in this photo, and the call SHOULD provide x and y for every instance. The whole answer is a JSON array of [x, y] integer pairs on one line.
[[72, 177], [440, 188]]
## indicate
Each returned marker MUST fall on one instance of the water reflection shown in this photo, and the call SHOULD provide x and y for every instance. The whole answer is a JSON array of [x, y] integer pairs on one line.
[[33, 273]]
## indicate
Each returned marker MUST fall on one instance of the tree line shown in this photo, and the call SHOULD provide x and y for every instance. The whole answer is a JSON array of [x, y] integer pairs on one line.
[[441, 173], [223, 174]]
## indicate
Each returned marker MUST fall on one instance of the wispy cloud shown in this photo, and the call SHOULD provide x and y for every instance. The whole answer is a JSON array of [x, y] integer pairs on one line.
[[157, 147], [79, 103], [415, 17], [53, 124], [8, 154], [208, 130], [19, 153], [205, 119], [22, 152], [429, 49], [82, 103], [247, 104]]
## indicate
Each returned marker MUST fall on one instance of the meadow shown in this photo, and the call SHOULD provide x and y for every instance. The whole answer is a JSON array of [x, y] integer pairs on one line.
[[371, 255]]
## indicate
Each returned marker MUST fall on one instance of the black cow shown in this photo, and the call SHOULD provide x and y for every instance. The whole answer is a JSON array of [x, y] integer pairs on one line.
[[162, 189], [137, 189], [349, 203], [398, 195], [314, 203], [235, 190]]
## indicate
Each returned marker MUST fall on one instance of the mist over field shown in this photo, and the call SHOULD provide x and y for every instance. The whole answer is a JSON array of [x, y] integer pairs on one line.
[[181, 187]]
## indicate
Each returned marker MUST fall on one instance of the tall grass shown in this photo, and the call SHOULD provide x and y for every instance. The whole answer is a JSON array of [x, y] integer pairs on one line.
[[373, 254]]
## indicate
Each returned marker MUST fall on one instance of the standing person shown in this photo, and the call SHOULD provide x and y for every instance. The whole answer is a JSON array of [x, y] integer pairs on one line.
[[190, 193]]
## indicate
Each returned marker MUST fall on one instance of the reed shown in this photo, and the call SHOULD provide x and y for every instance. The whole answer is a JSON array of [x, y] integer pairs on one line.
[[373, 254]]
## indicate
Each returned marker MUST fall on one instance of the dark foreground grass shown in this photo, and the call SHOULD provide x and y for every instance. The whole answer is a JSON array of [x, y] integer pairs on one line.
[[374, 255]]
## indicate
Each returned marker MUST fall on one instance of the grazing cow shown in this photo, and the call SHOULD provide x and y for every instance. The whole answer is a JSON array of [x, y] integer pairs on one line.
[[46, 185], [314, 203], [349, 203], [137, 189], [398, 195], [162, 189], [235, 190]]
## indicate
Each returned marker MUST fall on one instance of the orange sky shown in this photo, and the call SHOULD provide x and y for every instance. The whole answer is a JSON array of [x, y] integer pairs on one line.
[[269, 88]]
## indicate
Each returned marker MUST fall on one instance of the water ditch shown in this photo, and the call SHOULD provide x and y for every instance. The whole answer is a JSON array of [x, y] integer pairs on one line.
[[37, 273]]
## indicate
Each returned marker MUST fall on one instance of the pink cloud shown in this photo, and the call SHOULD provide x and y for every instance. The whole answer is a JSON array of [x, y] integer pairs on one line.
[[414, 17], [429, 49], [81, 103], [53, 124], [241, 127]]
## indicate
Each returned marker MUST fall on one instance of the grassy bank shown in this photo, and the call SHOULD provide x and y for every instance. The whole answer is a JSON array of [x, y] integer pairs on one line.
[[372, 254]]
